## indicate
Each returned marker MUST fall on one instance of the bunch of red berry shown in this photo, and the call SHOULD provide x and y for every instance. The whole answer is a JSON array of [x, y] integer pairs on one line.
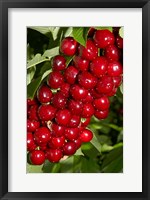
[[59, 115]]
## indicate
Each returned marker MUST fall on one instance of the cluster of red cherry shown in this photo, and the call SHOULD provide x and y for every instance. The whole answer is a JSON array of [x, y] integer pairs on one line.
[[58, 117]]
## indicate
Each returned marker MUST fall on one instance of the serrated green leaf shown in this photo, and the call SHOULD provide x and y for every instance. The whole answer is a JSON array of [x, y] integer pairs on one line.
[[30, 74], [51, 52], [104, 28], [80, 34], [121, 31], [38, 58]]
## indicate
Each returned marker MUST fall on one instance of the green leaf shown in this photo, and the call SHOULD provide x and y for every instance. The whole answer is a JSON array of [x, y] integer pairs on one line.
[[121, 31], [113, 161], [30, 74], [49, 167], [68, 32], [46, 29], [38, 58], [67, 165], [80, 34], [89, 150], [104, 28], [96, 143], [34, 168], [79, 152], [89, 166], [121, 88], [33, 86], [51, 52]]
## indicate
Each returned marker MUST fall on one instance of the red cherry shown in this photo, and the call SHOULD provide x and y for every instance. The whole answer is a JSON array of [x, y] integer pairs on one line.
[[32, 125], [88, 110], [59, 100], [75, 121], [91, 32], [116, 30], [32, 114], [42, 135], [112, 93], [86, 122], [37, 157], [101, 114], [70, 74], [75, 107], [78, 143], [103, 38], [115, 68], [87, 80], [90, 52], [119, 42], [57, 130], [101, 103], [55, 80], [80, 63], [88, 99], [71, 133], [43, 147], [112, 53], [57, 142], [68, 46], [105, 85], [54, 155], [98, 66], [78, 92], [64, 89], [63, 117], [58, 63], [69, 148], [46, 112], [44, 94], [95, 94], [31, 102], [86, 135], [30, 142], [117, 80]]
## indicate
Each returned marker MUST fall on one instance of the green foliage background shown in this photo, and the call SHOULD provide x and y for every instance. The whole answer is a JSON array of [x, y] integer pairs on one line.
[[104, 154]]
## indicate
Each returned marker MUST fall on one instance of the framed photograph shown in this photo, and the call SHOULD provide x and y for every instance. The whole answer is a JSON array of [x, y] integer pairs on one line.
[[74, 99]]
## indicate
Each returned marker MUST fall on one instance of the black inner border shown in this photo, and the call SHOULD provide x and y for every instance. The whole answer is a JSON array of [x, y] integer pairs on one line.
[[4, 6]]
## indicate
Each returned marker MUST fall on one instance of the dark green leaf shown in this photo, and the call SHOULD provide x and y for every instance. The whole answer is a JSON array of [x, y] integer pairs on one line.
[[89, 150], [49, 167], [113, 161], [89, 166], [33, 86]]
